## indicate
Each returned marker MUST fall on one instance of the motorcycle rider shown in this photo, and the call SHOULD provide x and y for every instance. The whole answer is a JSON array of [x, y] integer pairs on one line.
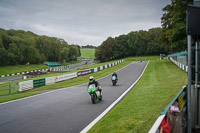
[[115, 74], [93, 81]]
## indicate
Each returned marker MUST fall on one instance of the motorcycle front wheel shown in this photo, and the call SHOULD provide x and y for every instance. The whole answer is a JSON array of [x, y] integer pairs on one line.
[[100, 98], [93, 98]]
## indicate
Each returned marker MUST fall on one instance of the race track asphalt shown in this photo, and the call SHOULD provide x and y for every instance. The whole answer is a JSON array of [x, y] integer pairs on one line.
[[10, 78], [67, 110]]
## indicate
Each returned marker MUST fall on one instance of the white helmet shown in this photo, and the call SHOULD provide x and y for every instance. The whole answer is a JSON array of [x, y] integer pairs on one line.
[[91, 78]]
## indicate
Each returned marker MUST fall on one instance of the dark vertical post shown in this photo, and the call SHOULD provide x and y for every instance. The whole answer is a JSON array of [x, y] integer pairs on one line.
[[10, 88], [189, 85], [196, 108], [196, 86]]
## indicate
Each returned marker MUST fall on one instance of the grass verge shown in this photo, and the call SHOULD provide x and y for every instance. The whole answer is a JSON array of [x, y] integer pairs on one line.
[[138, 111]]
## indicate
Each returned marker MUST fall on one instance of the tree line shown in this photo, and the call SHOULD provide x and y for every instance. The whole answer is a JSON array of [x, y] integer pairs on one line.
[[20, 47], [136, 43], [168, 39], [89, 46]]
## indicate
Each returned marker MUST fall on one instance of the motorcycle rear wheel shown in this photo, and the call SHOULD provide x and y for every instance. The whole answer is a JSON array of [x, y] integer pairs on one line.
[[114, 83]]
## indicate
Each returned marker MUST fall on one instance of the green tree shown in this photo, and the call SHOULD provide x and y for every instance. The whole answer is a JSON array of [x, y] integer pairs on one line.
[[174, 25], [121, 47], [98, 53], [5, 38], [79, 50], [3, 54], [73, 52], [64, 54], [105, 51], [33, 55], [1, 43], [154, 45], [11, 59], [15, 55]]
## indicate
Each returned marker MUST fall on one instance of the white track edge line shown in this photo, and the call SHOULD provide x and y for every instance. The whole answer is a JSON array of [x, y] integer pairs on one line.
[[112, 105], [56, 89]]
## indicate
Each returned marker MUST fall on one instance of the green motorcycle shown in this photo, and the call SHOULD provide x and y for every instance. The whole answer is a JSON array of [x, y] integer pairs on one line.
[[94, 93]]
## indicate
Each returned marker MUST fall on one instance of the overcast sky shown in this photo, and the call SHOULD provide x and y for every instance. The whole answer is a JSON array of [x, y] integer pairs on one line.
[[81, 22]]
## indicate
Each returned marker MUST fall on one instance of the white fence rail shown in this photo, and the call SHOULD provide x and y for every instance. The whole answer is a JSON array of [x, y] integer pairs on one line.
[[25, 85], [182, 66]]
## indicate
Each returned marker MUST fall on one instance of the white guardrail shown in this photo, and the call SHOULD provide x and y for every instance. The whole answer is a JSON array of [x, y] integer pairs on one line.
[[183, 67], [154, 128]]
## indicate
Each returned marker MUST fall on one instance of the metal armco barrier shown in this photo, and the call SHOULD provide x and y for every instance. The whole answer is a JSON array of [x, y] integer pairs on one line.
[[180, 101], [38, 83]]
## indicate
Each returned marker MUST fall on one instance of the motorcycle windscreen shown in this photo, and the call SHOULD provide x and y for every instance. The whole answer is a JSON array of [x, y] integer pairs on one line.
[[113, 78], [92, 88]]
